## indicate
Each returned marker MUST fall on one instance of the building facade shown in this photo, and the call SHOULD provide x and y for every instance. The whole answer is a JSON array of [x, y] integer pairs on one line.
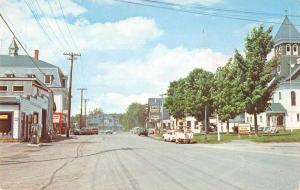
[[23, 68]]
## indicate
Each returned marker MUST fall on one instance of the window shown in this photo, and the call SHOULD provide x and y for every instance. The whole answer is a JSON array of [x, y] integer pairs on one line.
[[280, 50], [250, 119], [279, 95], [288, 49], [196, 123], [278, 69], [31, 76], [293, 98], [189, 124], [18, 88], [247, 119], [35, 118], [3, 88], [298, 117], [48, 79], [295, 49], [261, 118]]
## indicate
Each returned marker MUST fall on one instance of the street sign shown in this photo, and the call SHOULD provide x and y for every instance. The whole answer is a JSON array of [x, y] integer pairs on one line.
[[244, 128], [155, 117], [155, 109]]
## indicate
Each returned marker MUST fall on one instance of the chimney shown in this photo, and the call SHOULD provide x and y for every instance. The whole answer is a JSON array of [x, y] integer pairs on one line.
[[36, 54]]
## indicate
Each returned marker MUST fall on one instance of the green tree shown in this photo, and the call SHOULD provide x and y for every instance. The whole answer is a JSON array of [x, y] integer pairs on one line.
[[175, 100], [134, 116], [227, 95], [199, 87], [257, 80]]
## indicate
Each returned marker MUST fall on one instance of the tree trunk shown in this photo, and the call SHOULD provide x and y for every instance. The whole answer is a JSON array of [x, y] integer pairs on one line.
[[227, 126], [255, 123]]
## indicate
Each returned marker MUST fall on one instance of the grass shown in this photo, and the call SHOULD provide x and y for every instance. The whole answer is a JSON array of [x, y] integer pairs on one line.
[[282, 136]]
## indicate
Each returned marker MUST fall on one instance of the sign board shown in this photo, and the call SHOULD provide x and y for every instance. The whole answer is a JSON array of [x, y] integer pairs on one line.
[[244, 128], [4, 117], [155, 109], [56, 118], [155, 117]]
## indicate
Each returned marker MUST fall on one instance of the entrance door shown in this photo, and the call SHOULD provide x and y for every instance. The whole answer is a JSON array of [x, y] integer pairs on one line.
[[280, 121], [44, 124], [5, 123]]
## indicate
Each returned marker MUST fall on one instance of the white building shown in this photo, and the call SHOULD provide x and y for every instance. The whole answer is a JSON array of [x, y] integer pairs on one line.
[[284, 110]]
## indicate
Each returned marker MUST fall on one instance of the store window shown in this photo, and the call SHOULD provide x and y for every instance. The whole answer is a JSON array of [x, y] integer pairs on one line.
[[3, 88], [18, 88]]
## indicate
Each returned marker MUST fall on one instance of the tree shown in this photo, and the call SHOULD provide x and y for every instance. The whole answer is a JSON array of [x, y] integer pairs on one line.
[[258, 80], [175, 100], [134, 116], [227, 95], [96, 112], [198, 96]]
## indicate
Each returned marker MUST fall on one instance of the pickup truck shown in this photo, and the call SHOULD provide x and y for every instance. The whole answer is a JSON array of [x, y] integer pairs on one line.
[[183, 136]]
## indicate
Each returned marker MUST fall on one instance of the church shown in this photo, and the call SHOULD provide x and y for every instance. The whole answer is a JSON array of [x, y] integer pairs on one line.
[[284, 110]]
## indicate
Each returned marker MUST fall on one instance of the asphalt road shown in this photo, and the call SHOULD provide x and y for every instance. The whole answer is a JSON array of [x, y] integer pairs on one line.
[[125, 161]]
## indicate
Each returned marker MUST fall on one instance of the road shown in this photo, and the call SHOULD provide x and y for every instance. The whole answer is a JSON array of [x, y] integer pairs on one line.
[[125, 161]]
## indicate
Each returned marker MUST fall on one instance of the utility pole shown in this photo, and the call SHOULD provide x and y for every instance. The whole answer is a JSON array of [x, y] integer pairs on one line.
[[85, 121], [72, 57], [162, 112], [205, 123], [81, 98]]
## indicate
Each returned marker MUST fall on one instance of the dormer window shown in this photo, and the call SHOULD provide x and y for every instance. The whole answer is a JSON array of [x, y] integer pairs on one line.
[[48, 79], [288, 49], [10, 75], [31, 75], [295, 49]]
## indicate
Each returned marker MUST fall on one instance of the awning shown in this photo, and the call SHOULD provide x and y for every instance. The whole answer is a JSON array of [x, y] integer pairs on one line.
[[276, 108], [9, 101]]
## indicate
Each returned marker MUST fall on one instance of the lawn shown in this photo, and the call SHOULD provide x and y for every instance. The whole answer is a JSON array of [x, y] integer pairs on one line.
[[282, 136]]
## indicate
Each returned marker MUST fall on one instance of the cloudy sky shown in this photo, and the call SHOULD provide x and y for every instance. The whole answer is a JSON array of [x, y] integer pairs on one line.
[[131, 52]]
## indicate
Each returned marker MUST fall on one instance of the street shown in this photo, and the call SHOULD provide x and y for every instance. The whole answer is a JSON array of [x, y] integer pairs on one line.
[[125, 161]]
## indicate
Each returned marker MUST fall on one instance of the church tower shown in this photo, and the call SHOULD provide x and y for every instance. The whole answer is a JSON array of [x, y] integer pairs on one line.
[[13, 48]]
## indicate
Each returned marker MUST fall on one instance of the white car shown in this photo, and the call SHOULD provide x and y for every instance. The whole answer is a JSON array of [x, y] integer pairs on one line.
[[169, 136]]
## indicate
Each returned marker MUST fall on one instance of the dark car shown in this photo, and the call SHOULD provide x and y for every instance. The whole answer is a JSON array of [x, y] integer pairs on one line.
[[143, 132]]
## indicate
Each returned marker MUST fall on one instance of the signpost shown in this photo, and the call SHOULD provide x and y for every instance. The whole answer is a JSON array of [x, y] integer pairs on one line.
[[244, 129]]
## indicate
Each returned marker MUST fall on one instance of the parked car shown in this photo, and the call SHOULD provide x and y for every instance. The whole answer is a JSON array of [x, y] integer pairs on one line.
[[143, 132], [150, 131], [169, 136], [86, 131], [109, 132]]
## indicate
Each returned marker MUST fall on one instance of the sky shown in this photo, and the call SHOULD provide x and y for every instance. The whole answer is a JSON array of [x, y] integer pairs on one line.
[[130, 53]]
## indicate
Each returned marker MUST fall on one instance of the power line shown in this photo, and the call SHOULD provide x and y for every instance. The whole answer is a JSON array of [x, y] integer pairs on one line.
[[59, 28], [197, 12], [37, 20], [222, 9], [67, 26], [9, 28], [49, 25]]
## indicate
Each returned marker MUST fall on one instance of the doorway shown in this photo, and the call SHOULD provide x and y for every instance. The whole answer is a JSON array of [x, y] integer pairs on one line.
[[44, 124], [6, 123]]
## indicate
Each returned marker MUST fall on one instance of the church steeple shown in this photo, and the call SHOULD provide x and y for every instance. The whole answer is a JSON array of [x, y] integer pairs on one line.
[[287, 39], [13, 48]]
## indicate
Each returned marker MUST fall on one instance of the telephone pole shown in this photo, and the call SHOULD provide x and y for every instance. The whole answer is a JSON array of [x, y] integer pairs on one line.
[[85, 121], [72, 57], [81, 97]]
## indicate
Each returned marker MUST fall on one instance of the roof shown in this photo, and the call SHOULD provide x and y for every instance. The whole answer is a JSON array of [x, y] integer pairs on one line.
[[276, 108], [287, 32], [13, 45], [22, 61]]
